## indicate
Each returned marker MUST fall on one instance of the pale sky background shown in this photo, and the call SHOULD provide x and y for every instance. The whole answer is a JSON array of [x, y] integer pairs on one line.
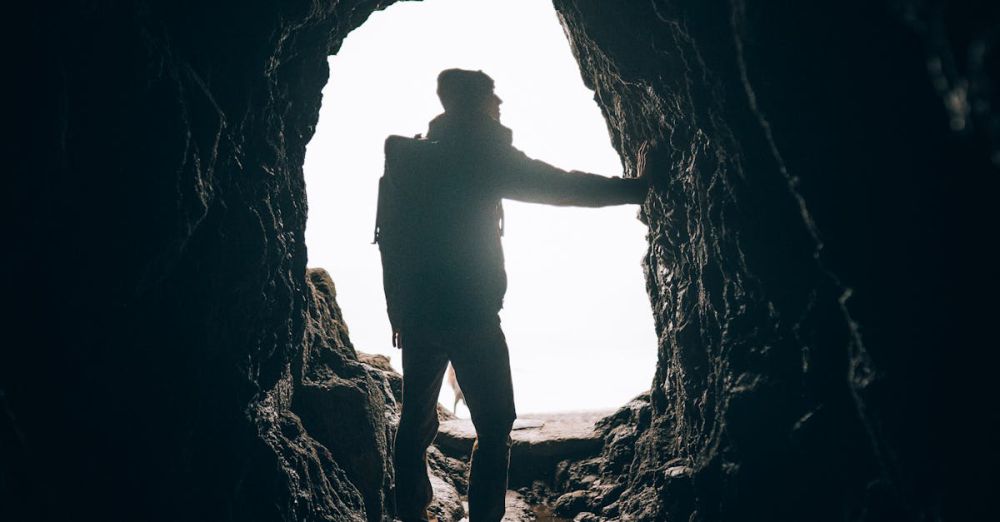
[[576, 315]]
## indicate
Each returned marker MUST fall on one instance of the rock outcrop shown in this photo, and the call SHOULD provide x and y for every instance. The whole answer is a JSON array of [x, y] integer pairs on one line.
[[823, 178], [538, 443], [349, 402], [157, 269], [819, 265], [346, 405]]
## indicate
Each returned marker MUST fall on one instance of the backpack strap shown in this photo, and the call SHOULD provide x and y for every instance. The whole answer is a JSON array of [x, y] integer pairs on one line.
[[391, 143]]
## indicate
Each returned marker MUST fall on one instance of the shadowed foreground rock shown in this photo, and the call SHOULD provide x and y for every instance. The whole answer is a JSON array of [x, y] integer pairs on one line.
[[818, 265], [824, 171], [350, 403], [160, 212], [346, 405]]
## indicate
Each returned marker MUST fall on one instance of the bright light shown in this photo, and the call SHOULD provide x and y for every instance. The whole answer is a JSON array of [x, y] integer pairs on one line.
[[576, 314]]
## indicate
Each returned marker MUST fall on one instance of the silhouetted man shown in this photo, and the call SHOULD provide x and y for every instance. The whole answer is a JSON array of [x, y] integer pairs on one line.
[[439, 228]]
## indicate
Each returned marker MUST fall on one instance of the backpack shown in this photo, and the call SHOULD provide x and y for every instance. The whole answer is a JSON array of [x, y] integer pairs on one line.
[[406, 209]]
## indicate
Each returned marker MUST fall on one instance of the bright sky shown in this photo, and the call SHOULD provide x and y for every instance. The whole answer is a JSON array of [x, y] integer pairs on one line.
[[576, 315]]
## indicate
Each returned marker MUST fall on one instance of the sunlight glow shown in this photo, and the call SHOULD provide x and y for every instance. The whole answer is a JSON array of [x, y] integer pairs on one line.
[[576, 315]]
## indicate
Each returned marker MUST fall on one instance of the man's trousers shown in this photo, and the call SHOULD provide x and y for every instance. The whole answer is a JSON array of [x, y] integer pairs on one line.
[[479, 355]]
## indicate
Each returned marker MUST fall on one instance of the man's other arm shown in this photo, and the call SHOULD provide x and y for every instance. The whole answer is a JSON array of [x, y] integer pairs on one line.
[[534, 181]]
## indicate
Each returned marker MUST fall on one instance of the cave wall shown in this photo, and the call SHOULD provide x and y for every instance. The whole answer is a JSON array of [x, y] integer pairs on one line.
[[157, 266], [824, 174], [818, 263]]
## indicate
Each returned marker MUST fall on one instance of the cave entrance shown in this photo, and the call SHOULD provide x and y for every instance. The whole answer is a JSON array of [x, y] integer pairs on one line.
[[576, 315]]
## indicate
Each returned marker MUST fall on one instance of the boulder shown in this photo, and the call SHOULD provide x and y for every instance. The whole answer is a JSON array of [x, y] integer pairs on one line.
[[539, 442]]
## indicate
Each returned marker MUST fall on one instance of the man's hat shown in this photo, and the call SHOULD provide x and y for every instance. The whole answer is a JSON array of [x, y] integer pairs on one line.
[[460, 88]]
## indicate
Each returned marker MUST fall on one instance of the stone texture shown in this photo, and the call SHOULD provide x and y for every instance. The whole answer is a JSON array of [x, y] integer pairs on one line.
[[161, 212], [447, 503], [539, 442], [345, 404], [812, 265], [518, 509], [569, 504]]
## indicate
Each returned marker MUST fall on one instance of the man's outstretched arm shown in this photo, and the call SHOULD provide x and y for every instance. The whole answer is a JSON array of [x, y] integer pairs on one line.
[[535, 181]]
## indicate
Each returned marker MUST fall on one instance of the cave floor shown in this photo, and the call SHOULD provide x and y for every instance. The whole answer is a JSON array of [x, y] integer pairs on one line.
[[520, 510], [541, 436], [539, 443]]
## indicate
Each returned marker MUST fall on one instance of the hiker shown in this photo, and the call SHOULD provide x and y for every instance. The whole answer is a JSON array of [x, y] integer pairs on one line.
[[439, 226]]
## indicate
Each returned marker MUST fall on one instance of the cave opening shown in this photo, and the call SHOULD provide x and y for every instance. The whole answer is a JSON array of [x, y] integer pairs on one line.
[[576, 314]]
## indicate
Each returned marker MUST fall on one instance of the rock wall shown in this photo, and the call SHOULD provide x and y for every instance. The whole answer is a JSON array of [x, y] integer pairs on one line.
[[818, 263], [823, 178], [157, 270]]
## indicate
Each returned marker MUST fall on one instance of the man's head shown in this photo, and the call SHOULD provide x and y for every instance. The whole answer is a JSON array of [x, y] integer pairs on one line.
[[463, 91]]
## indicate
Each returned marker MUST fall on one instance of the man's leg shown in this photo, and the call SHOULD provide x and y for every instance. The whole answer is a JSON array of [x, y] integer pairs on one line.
[[482, 366], [423, 370]]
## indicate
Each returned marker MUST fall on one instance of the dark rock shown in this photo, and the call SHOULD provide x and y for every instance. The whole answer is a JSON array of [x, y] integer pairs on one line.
[[161, 208], [574, 474], [517, 509], [604, 493], [453, 470], [539, 442], [805, 227], [612, 510], [350, 401], [569, 504], [391, 379], [316, 484], [447, 503], [339, 402], [620, 432]]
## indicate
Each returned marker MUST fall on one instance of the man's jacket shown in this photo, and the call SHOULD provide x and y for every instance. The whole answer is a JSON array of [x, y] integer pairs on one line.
[[438, 224]]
